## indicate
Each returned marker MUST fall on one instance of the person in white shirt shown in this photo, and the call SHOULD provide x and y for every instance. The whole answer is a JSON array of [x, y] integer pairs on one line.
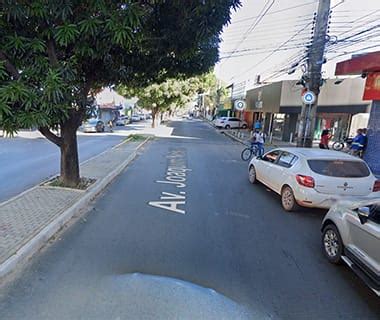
[[258, 138]]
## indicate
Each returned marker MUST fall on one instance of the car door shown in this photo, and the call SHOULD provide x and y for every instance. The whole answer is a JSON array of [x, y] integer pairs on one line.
[[280, 170], [364, 239], [265, 165], [232, 122]]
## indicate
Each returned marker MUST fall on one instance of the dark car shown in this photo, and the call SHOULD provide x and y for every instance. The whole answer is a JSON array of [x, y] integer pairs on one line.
[[93, 125]]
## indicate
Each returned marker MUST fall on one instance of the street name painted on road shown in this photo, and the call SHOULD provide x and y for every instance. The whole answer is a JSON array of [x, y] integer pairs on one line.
[[175, 177]]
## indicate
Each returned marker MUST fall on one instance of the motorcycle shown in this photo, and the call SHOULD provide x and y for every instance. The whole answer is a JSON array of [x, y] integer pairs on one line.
[[346, 142]]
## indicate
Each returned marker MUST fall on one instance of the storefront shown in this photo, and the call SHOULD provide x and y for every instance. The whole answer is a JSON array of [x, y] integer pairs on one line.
[[278, 106]]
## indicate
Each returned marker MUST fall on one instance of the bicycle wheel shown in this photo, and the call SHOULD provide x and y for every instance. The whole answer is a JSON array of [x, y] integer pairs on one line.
[[337, 145], [246, 154]]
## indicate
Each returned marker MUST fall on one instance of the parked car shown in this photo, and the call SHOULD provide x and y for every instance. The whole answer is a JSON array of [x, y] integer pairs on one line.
[[351, 234], [135, 118], [93, 125], [142, 116], [313, 177], [121, 121], [230, 123]]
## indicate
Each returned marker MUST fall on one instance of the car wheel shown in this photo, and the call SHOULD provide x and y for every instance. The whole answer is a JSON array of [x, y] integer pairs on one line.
[[332, 244], [288, 200], [227, 126], [252, 175], [244, 126]]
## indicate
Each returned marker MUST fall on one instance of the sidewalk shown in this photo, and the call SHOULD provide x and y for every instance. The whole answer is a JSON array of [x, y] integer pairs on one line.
[[243, 136], [28, 220]]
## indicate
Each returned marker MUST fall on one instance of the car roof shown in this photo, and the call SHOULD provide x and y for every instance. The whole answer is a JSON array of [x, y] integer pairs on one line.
[[314, 153]]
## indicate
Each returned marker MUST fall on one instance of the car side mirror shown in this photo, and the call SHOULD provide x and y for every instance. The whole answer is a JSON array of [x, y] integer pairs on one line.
[[259, 157], [363, 213]]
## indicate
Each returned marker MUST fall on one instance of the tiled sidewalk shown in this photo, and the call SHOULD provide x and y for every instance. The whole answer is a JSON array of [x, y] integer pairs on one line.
[[24, 216]]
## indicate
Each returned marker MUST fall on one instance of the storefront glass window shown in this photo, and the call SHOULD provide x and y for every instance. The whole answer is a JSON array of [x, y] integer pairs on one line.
[[278, 125]]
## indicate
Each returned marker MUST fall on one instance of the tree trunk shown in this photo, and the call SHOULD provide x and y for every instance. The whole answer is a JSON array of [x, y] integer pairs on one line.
[[154, 114], [69, 154]]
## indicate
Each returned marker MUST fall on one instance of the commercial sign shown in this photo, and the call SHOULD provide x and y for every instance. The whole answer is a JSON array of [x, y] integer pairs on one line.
[[372, 86]]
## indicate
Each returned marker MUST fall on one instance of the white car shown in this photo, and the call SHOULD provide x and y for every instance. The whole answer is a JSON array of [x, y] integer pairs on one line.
[[313, 177], [135, 118], [351, 233], [230, 123]]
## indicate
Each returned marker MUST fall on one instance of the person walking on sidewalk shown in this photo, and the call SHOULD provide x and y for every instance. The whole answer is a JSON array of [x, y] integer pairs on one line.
[[358, 143], [258, 138], [325, 138]]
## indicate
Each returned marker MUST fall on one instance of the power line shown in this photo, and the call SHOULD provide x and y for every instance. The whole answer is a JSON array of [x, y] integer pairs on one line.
[[278, 11], [263, 12], [275, 50]]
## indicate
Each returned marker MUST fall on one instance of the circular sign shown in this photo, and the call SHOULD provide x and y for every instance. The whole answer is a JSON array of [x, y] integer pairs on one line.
[[239, 105], [308, 97]]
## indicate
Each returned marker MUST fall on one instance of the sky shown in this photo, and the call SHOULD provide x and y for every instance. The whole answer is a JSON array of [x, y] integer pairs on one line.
[[266, 37]]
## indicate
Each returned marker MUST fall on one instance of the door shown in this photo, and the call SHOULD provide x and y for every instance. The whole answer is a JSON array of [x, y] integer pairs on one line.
[[234, 123], [365, 238], [281, 170], [265, 166]]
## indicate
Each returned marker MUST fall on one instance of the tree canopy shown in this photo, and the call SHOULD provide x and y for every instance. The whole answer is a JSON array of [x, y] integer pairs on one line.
[[53, 54]]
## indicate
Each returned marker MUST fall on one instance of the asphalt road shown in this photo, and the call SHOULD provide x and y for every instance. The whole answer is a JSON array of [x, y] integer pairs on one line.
[[26, 162], [128, 259]]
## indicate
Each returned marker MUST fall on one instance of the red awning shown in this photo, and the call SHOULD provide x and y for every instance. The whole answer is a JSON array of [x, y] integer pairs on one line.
[[369, 62]]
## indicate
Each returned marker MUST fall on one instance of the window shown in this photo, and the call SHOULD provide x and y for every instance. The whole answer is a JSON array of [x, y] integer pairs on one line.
[[374, 213], [271, 156], [287, 159], [339, 168]]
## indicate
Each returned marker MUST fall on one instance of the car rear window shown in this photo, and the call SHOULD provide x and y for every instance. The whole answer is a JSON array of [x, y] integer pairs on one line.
[[339, 168]]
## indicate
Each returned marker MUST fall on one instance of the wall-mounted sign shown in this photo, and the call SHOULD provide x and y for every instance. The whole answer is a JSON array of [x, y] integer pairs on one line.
[[239, 105], [308, 97], [372, 86]]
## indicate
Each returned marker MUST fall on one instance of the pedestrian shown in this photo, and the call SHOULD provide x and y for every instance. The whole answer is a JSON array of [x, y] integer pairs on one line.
[[325, 138], [257, 125], [258, 139], [364, 132], [358, 143], [110, 124]]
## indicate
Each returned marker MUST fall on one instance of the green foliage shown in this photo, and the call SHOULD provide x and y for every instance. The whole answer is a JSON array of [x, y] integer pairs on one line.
[[54, 54], [171, 94]]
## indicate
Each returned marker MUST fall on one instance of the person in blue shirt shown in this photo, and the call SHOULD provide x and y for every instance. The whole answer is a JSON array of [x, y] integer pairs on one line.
[[358, 143], [257, 125]]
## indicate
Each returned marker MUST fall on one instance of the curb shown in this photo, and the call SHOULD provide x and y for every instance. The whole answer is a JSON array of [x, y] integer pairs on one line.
[[42, 237], [231, 136]]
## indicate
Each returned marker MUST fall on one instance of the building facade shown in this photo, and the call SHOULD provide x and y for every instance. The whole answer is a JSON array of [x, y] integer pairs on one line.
[[278, 106]]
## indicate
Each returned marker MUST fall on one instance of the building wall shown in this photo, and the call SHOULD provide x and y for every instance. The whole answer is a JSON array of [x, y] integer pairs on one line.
[[349, 92], [372, 153], [269, 95]]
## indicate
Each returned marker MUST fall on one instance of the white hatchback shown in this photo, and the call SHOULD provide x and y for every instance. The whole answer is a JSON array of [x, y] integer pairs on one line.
[[230, 123], [313, 177]]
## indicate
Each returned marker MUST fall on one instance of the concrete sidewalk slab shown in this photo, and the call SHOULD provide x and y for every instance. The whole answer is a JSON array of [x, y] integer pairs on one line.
[[28, 220]]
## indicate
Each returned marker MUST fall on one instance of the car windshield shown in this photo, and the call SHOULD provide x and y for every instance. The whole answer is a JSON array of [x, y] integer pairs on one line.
[[339, 168], [92, 121]]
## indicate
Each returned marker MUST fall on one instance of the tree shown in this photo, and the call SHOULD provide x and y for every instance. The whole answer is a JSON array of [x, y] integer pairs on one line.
[[53, 54], [161, 97]]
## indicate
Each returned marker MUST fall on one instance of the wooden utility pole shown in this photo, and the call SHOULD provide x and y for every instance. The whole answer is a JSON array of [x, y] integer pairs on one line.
[[313, 74]]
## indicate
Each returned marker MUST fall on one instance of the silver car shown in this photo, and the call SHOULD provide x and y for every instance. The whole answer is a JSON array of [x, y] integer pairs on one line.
[[351, 234]]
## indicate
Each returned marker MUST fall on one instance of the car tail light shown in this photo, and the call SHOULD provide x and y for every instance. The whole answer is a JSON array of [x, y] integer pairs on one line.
[[305, 181], [376, 186]]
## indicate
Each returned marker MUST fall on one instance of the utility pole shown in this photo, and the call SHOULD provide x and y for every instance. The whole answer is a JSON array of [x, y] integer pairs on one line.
[[313, 75]]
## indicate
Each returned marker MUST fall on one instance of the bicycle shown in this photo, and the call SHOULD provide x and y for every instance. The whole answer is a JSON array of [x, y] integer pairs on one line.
[[248, 152]]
